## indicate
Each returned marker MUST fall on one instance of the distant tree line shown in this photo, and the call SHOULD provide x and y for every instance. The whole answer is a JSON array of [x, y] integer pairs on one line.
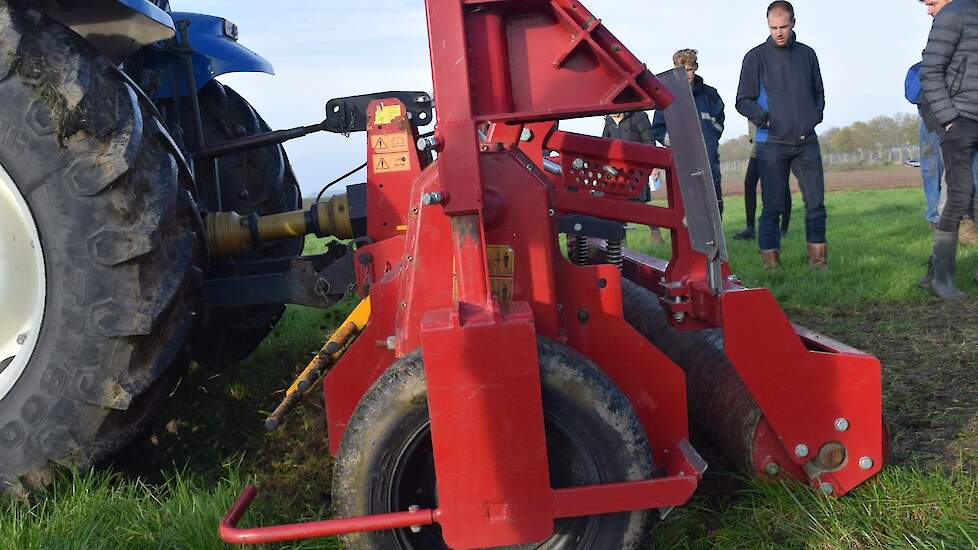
[[882, 132]]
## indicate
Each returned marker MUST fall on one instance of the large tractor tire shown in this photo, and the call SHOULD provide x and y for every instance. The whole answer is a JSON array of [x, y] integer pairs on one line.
[[96, 259], [385, 460], [260, 181]]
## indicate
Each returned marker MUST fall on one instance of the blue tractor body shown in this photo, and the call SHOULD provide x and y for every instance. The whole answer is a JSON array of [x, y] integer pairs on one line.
[[123, 28], [216, 52]]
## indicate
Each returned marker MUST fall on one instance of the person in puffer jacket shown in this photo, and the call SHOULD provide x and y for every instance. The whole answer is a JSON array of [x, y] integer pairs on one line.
[[635, 127], [781, 92], [949, 78], [710, 107]]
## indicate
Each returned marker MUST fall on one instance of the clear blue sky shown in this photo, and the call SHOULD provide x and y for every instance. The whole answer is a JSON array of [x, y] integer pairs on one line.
[[333, 48]]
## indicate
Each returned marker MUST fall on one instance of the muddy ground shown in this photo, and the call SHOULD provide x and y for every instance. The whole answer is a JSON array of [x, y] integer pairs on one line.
[[929, 352], [893, 178]]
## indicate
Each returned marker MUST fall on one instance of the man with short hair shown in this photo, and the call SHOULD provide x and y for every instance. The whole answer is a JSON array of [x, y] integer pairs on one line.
[[781, 92], [710, 107], [949, 77]]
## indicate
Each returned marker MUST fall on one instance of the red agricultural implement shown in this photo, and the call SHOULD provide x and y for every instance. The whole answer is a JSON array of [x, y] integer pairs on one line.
[[495, 392]]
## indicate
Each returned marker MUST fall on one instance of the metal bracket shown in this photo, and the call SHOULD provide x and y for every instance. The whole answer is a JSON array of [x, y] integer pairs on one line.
[[693, 168], [576, 224], [315, 281], [347, 115]]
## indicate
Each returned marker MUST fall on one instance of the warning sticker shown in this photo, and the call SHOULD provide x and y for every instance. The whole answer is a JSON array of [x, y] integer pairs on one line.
[[501, 259], [502, 289], [385, 115], [392, 162], [389, 143]]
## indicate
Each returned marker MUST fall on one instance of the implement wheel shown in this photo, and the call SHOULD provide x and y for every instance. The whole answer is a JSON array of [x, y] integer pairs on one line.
[[385, 461], [96, 255]]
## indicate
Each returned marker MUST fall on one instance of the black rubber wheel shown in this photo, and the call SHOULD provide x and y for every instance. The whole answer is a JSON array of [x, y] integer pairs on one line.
[[593, 436], [117, 232], [260, 181]]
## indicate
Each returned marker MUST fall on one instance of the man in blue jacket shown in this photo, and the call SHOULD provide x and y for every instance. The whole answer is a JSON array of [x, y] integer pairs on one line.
[[710, 108], [781, 92]]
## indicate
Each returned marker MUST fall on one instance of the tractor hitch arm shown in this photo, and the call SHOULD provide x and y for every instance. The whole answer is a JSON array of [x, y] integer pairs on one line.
[[344, 115]]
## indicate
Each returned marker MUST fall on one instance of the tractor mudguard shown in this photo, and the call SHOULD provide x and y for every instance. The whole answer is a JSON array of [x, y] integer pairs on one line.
[[216, 52], [116, 28]]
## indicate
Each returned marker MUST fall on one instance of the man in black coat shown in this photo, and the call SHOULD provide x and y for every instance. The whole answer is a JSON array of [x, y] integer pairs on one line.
[[949, 78], [781, 92], [634, 126]]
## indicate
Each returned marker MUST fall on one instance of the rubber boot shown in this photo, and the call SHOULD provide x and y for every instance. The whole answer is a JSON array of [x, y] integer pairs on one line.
[[745, 235], [818, 256], [941, 267], [771, 259], [968, 233]]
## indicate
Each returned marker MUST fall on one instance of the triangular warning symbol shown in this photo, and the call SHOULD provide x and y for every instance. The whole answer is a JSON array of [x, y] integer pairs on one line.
[[382, 165], [381, 144]]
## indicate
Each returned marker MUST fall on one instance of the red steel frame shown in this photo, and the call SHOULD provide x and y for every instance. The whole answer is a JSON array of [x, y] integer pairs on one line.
[[500, 67]]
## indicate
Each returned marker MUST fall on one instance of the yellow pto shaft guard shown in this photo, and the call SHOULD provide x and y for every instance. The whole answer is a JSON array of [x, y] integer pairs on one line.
[[328, 355], [229, 233]]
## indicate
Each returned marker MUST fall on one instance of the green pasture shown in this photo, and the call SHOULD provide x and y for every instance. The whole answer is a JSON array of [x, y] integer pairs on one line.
[[171, 490]]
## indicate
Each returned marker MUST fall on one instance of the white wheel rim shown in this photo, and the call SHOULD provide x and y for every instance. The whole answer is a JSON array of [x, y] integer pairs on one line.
[[22, 284]]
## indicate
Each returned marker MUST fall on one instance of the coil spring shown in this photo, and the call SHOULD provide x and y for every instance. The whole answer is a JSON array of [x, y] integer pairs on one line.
[[614, 253], [580, 251]]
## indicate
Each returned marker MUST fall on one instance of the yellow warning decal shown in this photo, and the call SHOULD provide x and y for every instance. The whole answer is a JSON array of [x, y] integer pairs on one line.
[[392, 162], [501, 259], [502, 289], [389, 143], [385, 114]]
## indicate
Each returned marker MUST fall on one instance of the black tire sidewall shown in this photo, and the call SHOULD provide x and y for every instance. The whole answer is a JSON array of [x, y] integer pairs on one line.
[[100, 338], [575, 393]]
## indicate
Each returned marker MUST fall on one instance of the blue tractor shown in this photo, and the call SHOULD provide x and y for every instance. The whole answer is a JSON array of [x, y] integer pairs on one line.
[[116, 141]]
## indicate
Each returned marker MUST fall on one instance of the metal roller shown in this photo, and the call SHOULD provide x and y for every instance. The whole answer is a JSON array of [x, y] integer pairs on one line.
[[719, 403]]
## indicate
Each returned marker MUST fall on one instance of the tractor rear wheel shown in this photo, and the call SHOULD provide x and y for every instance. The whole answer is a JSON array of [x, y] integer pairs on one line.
[[385, 461], [96, 258], [260, 181]]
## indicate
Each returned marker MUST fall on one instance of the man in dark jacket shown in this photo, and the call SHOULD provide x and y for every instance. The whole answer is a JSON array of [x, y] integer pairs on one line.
[[781, 93], [634, 126], [949, 77], [710, 108]]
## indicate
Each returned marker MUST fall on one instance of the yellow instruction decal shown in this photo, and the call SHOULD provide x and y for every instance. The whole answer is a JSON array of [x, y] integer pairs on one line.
[[386, 114], [501, 259], [392, 162], [502, 289]]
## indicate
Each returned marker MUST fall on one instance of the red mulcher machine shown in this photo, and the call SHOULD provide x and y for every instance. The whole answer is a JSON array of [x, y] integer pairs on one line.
[[501, 393]]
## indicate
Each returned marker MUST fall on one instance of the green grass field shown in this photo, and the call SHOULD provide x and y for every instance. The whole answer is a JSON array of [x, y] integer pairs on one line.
[[171, 490]]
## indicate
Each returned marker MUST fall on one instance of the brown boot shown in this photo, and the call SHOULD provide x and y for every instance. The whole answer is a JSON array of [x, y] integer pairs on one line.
[[818, 256], [771, 259], [656, 236], [967, 233]]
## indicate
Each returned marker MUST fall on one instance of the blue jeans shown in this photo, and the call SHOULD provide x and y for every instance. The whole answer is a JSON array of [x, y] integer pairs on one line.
[[776, 162], [932, 171]]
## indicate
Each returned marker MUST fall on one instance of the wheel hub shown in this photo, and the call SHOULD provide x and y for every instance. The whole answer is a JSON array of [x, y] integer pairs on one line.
[[22, 283]]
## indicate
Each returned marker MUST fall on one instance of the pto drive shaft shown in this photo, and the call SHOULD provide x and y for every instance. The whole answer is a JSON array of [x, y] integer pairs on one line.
[[229, 233]]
